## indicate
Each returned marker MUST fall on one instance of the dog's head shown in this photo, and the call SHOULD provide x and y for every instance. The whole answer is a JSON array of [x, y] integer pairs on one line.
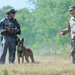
[[20, 44]]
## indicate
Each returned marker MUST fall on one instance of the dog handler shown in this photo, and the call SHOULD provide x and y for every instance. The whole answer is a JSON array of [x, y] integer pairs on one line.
[[9, 28]]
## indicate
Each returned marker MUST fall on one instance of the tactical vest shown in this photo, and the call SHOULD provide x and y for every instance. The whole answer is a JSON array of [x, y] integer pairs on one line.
[[9, 25]]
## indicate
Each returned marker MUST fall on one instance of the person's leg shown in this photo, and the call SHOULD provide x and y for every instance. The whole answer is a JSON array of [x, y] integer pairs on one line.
[[73, 50], [4, 51], [12, 50]]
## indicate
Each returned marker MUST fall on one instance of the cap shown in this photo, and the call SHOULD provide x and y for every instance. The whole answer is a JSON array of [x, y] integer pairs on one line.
[[11, 11], [71, 8]]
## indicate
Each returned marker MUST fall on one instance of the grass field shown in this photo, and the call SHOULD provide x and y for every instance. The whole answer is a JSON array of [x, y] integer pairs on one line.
[[47, 62], [44, 65]]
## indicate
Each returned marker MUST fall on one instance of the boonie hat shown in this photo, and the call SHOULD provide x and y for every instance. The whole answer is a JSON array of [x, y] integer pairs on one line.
[[11, 11]]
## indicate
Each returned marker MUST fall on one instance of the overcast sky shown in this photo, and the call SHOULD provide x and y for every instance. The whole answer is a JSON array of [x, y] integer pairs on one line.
[[17, 4]]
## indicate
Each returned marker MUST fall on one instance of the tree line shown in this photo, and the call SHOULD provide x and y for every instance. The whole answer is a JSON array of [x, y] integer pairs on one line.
[[40, 28]]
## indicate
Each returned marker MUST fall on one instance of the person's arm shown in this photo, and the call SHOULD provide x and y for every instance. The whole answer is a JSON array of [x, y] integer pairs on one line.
[[18, 29], [65, 31], [2, 29]]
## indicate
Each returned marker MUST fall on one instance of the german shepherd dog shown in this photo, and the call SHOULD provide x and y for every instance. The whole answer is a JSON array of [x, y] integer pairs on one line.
[[24, 52]]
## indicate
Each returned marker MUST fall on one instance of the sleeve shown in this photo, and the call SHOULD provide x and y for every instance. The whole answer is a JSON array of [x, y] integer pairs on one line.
[[1, 26], [18, 28], [2, 29], [68, 29]]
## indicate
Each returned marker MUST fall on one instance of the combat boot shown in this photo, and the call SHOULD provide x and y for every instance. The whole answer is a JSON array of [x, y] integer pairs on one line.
[[73, 59]]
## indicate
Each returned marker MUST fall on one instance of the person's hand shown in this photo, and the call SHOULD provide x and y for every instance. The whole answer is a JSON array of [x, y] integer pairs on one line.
[[12, 31], [61, 32], [4, 31]]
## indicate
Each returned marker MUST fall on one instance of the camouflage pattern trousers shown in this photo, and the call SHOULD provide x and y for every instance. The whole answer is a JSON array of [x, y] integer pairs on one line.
[[8, 43], [72, 47]]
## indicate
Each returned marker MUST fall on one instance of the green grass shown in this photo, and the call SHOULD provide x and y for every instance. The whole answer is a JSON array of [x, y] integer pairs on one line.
[[46, 63]]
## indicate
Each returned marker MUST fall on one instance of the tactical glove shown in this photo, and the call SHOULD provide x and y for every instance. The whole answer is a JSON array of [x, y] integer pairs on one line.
[[3, 31]]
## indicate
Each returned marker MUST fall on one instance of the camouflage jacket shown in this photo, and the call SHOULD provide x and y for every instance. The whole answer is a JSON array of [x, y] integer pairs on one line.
[[71, 28]]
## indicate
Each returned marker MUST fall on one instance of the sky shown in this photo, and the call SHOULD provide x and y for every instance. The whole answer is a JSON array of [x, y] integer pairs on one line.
[[17, 4]]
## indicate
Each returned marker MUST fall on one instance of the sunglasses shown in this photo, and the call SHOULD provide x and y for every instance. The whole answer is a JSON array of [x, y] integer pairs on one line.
[[72, 10]]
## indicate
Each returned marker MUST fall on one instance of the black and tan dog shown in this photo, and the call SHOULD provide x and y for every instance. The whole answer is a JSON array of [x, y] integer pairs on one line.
[[24, 52]]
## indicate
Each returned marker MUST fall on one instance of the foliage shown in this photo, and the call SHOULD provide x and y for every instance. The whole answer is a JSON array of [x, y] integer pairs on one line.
[[41, 27]]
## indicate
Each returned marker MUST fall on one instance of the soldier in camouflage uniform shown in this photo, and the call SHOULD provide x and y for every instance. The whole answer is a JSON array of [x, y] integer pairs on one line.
[[71, 29], [9, 28]]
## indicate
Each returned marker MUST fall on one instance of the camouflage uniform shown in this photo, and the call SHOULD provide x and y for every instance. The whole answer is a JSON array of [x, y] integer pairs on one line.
[[8, 38], [71, 29]]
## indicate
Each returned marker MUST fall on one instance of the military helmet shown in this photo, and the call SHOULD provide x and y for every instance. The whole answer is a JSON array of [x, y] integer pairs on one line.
[[11, 11]]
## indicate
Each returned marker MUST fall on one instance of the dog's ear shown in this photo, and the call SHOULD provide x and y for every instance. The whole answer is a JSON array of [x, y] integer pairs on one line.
[[23, 39], [17, 41]]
